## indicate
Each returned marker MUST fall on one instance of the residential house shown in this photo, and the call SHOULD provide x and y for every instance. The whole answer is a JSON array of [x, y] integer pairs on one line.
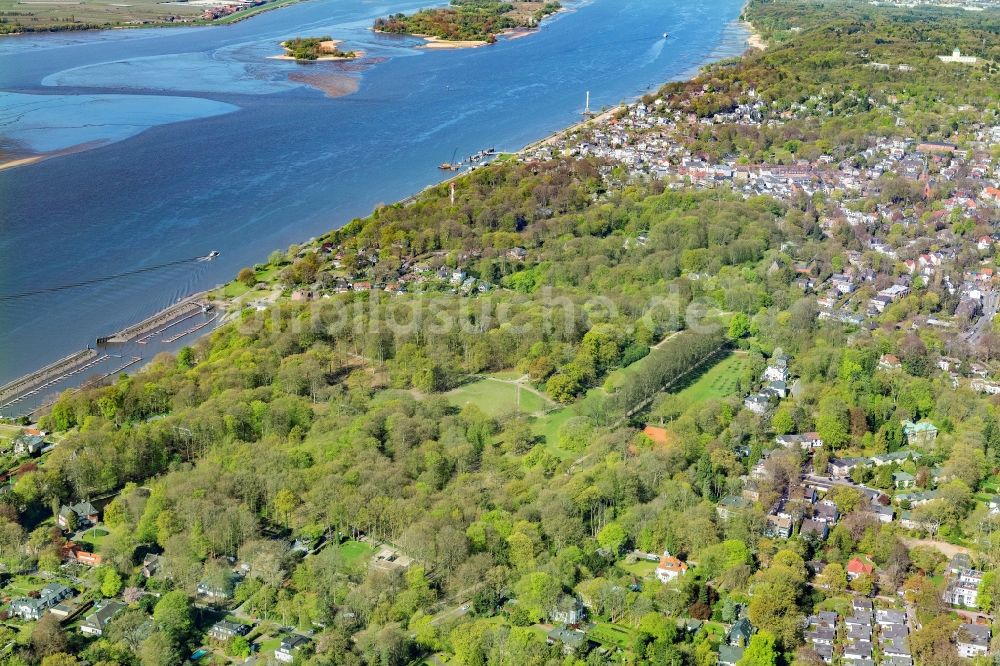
[[888, 617], [802, 493], [573, 642], [150, 565], [857, 567], [104, 611], [289, 647], [568, 610], [973, 640], [858, 650], [964, 590], [670, 568], [897, 647], [216, 591], [28, 445], [885, 514], [730, 503], [907, 521], [740, 633], [83, 513], [757, 403], [862, 606], [729, 655], [983, 386], [74, 553], [922, 433], [776, 389], [814, 528], [779, 526], [916, 498], [777, 371], [903, 479], [224, 630], [894, 457], [807, 440], [33, 609], [840, 468], [826, 511]]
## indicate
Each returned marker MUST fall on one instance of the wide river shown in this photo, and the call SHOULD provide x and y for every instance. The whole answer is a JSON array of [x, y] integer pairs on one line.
[[180, 141]]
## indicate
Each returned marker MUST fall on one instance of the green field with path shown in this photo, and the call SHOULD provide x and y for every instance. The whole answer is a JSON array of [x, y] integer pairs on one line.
[[496, 398]]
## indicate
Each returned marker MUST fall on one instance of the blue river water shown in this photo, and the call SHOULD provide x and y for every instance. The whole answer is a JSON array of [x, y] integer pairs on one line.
[[180, 141]]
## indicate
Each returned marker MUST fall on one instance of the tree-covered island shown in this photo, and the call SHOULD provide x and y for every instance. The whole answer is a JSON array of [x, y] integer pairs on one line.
[[316, 48], [469, 20]]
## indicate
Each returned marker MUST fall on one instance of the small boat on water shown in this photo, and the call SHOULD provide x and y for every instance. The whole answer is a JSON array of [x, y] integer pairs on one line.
[[665, 35]]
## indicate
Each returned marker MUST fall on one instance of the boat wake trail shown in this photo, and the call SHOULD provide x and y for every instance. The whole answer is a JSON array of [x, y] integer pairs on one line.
[[106, 278]]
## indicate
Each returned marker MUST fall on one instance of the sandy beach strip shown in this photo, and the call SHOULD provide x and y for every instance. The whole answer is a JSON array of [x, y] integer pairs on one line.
[[12, 162], [754, 41], [359, 54], [435, 43]]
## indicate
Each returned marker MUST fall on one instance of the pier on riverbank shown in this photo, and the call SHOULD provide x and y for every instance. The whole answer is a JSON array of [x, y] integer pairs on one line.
[[113, 355], [157, 323], [34, 382]]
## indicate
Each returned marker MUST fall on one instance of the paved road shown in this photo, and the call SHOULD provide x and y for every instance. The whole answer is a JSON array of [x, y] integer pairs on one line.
[[451, 614], [991, 303]]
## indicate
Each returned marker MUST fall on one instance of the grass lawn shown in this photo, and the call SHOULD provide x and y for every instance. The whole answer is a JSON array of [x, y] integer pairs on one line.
[[24, 633], [355, 552], [95, 536], [547, 426], [718, 381], [716, 631], [496, 398], [269, 645], [840, 605], [20, 586], [9, 431], [640, 568], [611, 635], [102, 12], [234, 289]]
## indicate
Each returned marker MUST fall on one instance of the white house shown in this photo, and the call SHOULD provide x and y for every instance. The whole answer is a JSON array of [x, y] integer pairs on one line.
[[670, 568], [973, 640]]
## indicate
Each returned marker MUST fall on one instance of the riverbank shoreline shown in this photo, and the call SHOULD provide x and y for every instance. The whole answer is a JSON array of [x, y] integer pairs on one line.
[[14, 160], [198, 23], [755, 40], [439, 43], [731, 44]]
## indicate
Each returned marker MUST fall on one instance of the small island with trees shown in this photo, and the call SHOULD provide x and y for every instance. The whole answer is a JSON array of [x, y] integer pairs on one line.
[[316, 48], [468, 22]]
